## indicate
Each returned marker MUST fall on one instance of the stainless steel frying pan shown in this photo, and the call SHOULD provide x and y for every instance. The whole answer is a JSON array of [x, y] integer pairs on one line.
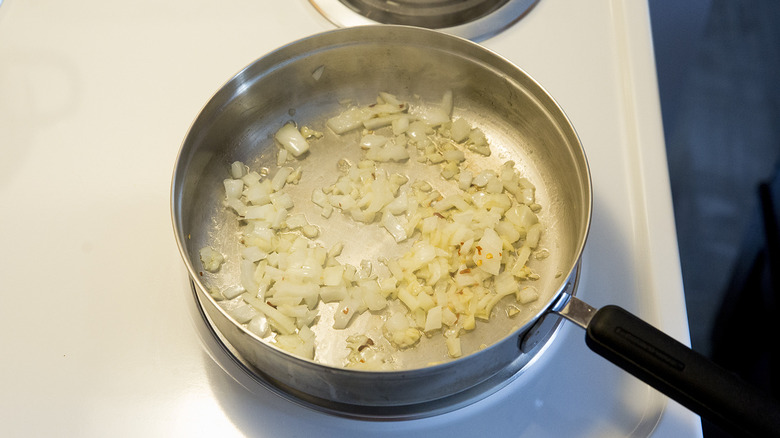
[[304, 82]]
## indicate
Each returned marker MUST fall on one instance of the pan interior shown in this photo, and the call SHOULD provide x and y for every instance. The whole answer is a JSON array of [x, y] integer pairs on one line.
[[310, 84]]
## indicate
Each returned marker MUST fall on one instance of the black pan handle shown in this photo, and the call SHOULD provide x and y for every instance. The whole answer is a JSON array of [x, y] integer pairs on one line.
[[677, 371]]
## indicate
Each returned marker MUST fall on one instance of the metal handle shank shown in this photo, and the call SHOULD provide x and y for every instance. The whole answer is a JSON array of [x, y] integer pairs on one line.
[[681, 373]]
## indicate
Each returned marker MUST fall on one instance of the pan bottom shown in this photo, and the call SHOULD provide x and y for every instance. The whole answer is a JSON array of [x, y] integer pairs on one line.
[[248, 376]]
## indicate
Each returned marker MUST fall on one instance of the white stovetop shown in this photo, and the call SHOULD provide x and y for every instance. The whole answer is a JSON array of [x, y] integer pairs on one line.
[[95, 99]]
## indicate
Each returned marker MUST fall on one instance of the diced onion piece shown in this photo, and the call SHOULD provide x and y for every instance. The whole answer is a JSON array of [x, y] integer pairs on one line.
[[421, 254], [259, 325], [280, 179], [406, 338], [253, 253], [248, 277], [488, 254], [380, 122], [292, 139], [265, 212], [527, 295], [522, 258], [372, 140], [333, 275], [237, 206], [295, 344], [310, 133], [400, 125], [237, 169], [259, 194], [465, 278], [483, 178], [243, 313], [418, 131], [394, 227], [345, 311], [408, 299], [453, 346], [494, 186], [282, 200], [399, 205], [310, 231], [284, 324], [454, 155], [425, 301], [384, 109], [211, 259], [295, 176], [371, 295], [390, 98], [534, 233], [233, 188], [451, 201], [251, 178], [435, 116], [448, 317], [400, 333], [388, 152], [522, 216], [281, 157], [329, 294], [505, 284], [318, 197], [233, 291], [459, 131], [507, 231], [350, 119], [433, 319]]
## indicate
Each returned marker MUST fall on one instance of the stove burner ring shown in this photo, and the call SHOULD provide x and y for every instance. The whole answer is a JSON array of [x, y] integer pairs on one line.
[[472, 19], [433, 14]]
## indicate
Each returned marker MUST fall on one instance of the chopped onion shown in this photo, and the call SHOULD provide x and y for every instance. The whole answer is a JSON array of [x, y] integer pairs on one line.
[[280, 179], [345, 311], [259, 325], [348, 120], [433, 319], [372, 140], [527, 295], [459, 131], [488, 252], [534, 233], [394, 227], [281, 157], [469, 250], [380, 122], [292, 139], [233, 291], [211, 259], [453, 346], [243, 313], [237, 169], [253, 253], [390, 98], [233, 188], [400, 124]]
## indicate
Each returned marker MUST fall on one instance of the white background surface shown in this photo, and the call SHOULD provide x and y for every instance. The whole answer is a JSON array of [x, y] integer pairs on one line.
[[95, 99]]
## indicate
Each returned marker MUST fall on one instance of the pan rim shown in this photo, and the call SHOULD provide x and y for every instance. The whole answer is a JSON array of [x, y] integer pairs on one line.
[[267, 63]]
